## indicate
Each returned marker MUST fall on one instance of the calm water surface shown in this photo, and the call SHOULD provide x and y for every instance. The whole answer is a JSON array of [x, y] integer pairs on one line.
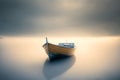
[[96, 58]]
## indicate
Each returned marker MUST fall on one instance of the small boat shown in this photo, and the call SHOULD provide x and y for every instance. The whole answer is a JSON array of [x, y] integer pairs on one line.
[[58, 51]]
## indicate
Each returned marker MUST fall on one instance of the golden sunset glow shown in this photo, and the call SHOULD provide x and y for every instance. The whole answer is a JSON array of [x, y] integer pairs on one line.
[[88, 31]]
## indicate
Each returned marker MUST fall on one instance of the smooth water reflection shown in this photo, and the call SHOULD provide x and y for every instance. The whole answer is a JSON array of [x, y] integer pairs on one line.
[[25, 59], [57, 67]]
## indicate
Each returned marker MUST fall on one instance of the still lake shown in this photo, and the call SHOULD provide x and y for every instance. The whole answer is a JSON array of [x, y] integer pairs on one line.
[[95, 58]]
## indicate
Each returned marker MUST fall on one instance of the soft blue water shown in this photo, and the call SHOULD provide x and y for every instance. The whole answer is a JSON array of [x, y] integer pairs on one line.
[[94, 59]]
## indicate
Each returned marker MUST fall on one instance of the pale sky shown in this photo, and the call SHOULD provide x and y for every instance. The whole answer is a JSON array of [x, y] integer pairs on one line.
[[60, 17]]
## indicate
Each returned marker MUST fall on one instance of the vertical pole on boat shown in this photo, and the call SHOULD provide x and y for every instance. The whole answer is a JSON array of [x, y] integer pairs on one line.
[[47, 46], [46, 40]]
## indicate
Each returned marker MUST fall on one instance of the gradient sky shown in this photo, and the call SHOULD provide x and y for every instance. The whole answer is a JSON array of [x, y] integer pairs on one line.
[[60, 17]]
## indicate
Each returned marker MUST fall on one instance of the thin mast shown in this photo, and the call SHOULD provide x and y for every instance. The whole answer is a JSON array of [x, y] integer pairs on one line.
[[46, 40]]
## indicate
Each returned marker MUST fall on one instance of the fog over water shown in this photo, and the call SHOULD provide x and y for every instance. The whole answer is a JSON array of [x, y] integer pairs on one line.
[[95, 58], [93, 25]]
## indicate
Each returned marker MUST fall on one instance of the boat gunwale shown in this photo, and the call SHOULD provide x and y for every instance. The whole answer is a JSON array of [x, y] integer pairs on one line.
[[57, 45]]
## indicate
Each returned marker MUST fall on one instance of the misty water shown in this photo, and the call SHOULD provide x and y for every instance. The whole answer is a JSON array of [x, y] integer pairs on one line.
[[95, 58]]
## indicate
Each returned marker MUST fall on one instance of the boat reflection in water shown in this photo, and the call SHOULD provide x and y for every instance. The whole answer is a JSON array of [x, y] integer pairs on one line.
[[57, 66]]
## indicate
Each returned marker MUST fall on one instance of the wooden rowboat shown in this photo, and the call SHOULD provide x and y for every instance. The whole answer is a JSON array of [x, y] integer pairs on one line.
[[57, 51]]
